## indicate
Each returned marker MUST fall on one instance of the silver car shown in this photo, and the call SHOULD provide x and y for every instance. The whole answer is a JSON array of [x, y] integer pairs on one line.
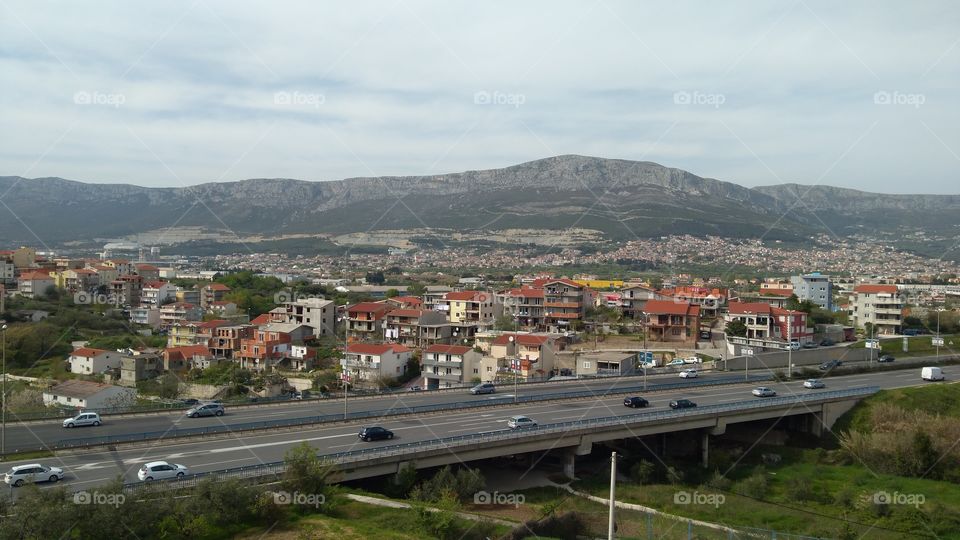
[[207, 409], [158, 470], [82, 419], [813, 383], [763, 391]]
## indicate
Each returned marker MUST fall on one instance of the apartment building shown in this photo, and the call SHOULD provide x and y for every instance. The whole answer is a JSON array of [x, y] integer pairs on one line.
[[89, 361], [564, 301], [814, 287], [34, 284], [530, 356], [156, 293], [472, 307], [226, 340], [264, 349], [179, 312], [524, 305], [403, 326], [212, 292], [145, 315], [769, 326], [633, 299], [317, 313], [880, 305], [448, 366], [126, 289], [365, 321], [710, 300]]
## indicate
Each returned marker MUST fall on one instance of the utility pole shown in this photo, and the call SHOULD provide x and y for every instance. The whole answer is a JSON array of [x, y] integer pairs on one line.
[[937, 341], [613, 497], [790, 345], [3, 404]]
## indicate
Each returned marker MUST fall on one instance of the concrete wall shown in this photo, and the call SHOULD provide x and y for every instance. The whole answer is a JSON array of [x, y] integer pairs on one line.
[[806, 357]]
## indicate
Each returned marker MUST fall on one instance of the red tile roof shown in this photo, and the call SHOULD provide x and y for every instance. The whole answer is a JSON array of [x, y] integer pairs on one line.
[[448, 349], [760, 308], [669, 307], [406, 312], [373, 349], [565, 281], [261, 319], [523, 339], [35, 276], [369, 307], [87, 352], [217, 287], [148, 267], [187, 351], [154, 284], [479, 296], [874, 289], [526, 292]]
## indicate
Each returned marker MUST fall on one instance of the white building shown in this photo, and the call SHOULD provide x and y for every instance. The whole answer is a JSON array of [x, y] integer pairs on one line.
[[89, 361], [365, 362], [879, 305], [156, 293], [317, 313], [149, 316], [814, 287], [89, 395]]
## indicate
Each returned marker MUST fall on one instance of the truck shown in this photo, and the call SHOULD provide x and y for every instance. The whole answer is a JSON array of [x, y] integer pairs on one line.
[[931, 374]]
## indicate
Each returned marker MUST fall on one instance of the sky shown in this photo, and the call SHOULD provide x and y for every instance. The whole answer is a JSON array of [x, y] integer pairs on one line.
[[861, 95]]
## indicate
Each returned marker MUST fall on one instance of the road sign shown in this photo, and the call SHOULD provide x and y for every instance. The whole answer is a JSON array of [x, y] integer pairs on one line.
[[872, 344], [938, 342], [747, 351], [906, 344]]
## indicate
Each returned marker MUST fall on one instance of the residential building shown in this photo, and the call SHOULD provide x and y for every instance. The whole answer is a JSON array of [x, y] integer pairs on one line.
[[710, 300], [599, 363], [188, 296], [297, 332], [157, 293], [126, 289], [524, 306], [814, 287], [122, 266], [530, 356], [564, 301], [227, 339], [184, 358], [302, 358], [633, 298], [879, 305], [447, 366], [89, 361], [776, 286], [668, 320], [365, 321], [317, 313], [76, 280], [34, 284], [469, 306], [403, 325], [7, 270], [88, 395], [179, 312], [368, 364], [212, 292], [148, 272], [405, 302], [139, 367], [265, 349], [222, 308], [435, 332], [768, 326], [105, 274], [145, 315]]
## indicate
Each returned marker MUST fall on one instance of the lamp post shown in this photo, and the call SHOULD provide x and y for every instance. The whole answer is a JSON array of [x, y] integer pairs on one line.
[[790, 345], [938, 332], [513, 366], [747, 353], [3, 390]]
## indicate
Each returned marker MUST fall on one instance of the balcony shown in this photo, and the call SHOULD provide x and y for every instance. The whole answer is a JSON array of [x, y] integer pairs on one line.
[[453, 377], [360, 364], [442, 363]]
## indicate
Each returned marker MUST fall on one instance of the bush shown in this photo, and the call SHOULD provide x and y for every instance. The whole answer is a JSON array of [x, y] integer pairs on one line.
[[460, 485], [799, 489], [643, 472], [719, 481], [756, 485]]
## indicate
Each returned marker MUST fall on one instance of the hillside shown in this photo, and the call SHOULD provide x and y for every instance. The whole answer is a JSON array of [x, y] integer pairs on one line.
[[623, 199]]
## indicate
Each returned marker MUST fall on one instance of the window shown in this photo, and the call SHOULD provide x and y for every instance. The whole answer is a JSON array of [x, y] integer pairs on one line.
[[489, 369], [476, 371], [586, 364]]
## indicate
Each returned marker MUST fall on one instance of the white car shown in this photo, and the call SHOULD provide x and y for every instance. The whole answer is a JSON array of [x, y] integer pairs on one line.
[[763, 391], [520, 422], [34, 472], [83, 419], [689, 374], [158, 470], [813, 383]]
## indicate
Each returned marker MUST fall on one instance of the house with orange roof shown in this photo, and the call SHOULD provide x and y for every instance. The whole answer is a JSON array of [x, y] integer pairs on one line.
[[472, 307], [667, 320], [368, 364], [710, 300], [186, 357], [406, 302], [768, 326], [565, 301], [879, 305], [212, 292], [265, 349], [524, 305], [148, 272], [34, 284], [531, 356], [365, 321], [156, 293], [90, 361], [402, 325]]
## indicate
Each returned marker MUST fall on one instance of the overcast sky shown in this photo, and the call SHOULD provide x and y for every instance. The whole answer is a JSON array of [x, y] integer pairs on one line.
[[861, 94]]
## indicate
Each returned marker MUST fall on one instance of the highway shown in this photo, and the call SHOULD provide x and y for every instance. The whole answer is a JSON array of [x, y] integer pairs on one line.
[[85, 470], [37, 434]]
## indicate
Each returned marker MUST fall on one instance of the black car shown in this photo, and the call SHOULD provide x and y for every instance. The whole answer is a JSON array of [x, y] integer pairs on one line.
[[189, 402], [886, 358], [706, 334], [827, 366], [635, 402], [682, 404], [374, 433], [827, 343]]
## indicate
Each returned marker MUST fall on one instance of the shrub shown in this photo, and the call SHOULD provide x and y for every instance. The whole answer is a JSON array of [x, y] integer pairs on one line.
[[756, 485], [643, 472]]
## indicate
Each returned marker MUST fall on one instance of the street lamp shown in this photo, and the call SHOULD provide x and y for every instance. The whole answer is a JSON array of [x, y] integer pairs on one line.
[[3, 390], [790, 345], [938, 340], [514, 370]]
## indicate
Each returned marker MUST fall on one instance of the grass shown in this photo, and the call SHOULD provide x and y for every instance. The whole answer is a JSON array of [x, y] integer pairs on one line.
[[838, 496], [942, 399], [916, 346]]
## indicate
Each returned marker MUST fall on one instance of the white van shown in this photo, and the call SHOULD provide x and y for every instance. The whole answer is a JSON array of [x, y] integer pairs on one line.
[[931, 374]]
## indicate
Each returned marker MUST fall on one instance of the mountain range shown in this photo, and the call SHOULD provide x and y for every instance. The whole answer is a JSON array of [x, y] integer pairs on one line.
[[620, 198]]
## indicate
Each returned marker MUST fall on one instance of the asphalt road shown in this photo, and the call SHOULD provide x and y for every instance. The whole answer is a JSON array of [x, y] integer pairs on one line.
[[35, 435], [87, 470]]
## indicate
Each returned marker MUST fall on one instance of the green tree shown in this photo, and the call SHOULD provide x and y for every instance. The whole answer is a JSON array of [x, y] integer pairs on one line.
[[168, 386], [416, 289], [736, 328], [392, 293], [504, 322], [307, 474]]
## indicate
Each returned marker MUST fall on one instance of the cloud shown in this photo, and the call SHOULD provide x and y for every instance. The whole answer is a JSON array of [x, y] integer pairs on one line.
[[191, 92]]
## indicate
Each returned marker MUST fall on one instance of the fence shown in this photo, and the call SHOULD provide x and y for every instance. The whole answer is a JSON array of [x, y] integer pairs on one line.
[[359, 415], [365, 454]]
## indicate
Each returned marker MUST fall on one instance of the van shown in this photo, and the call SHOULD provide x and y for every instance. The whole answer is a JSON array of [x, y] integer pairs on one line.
[[931, 374]]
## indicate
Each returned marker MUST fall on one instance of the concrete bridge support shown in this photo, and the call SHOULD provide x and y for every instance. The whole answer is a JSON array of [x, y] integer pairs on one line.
[[570, 454]]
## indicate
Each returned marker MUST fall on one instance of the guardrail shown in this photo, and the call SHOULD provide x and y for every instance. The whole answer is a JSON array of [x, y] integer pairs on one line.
[[353, 456], [394, 411]]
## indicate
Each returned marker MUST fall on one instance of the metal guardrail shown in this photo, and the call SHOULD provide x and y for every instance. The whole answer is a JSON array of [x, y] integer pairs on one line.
[[353, 456], [394, 411]]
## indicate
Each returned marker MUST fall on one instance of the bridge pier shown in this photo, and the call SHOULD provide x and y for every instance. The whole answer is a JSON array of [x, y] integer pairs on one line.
[[569, 462], [705, 449]]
